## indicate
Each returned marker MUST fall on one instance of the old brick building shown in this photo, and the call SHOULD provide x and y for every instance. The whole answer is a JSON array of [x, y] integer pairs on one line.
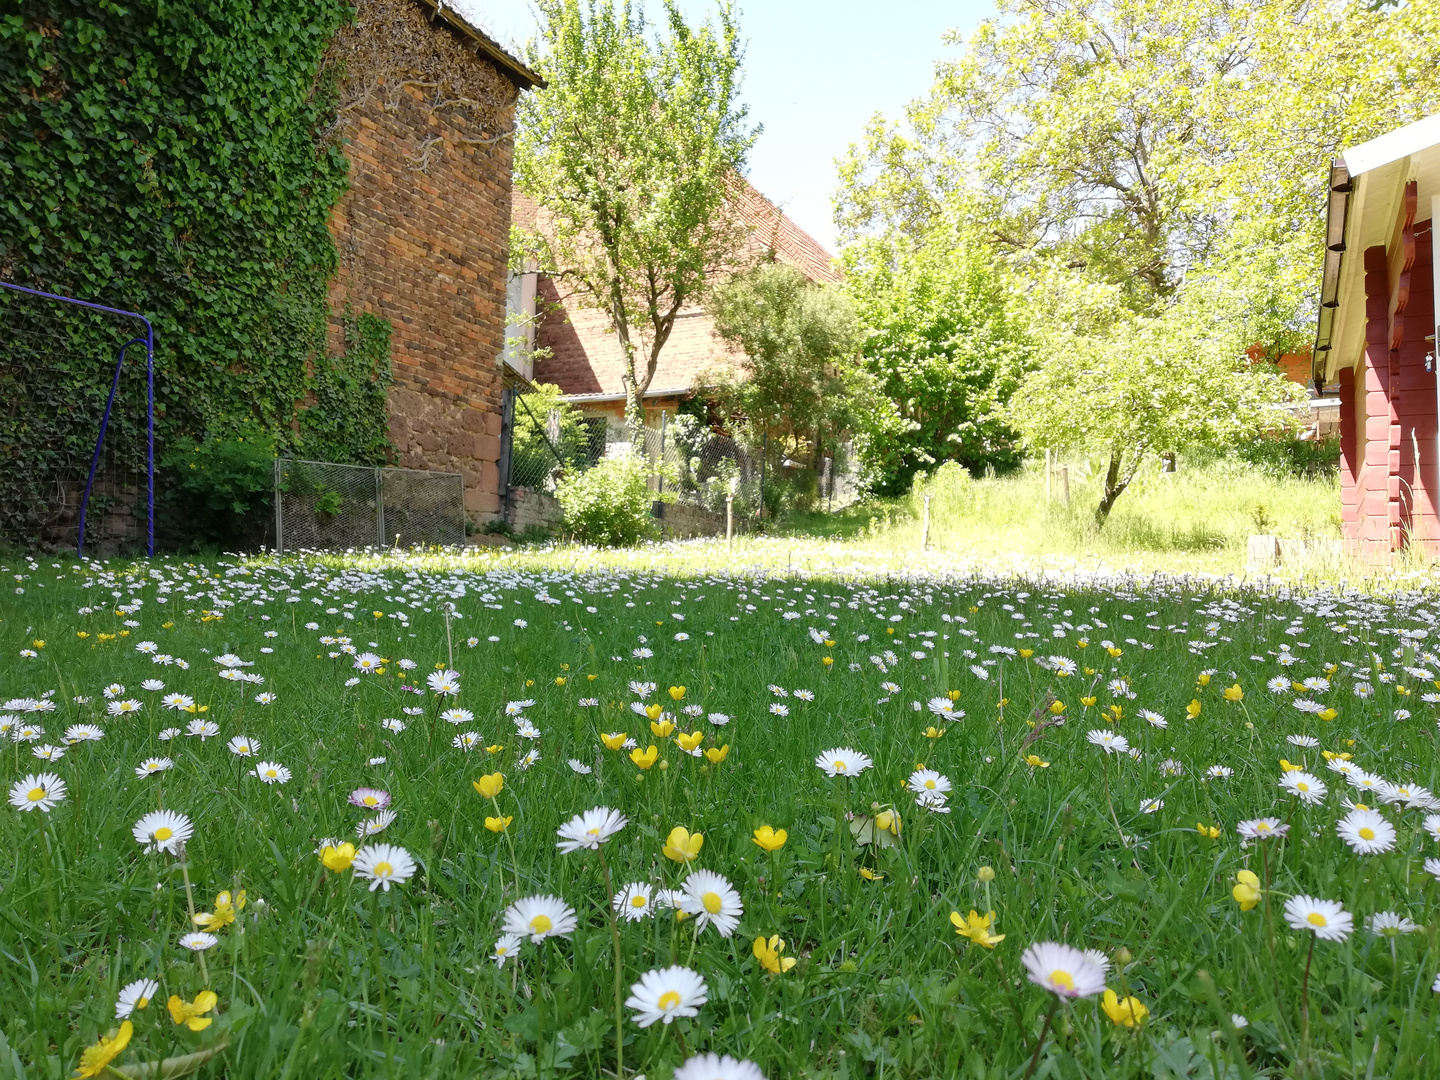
[[1376, 338], [427, 119], [582, 356]]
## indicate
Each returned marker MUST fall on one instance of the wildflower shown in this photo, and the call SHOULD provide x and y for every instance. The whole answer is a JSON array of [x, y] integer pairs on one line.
[[444, 683], [337, 857], [1325, 918], [768, 950], [1366, 831], [682, 845], [976, 927], [633, 902], [224, 914], [677, 693], [716, 754], [665, 993], [506, 946], [499, 824], [843, 761], [95, 1060], [1193, 709], [242, 746], [645, 758], [1246, 890], [384, 865], [198, 941], [369, 798], [711, 899], [1304, 786], [923, 781], [870, 875], [1108, 741], [1389, 924], [769, 839], [37, 792], [379, 823], [540, 917], [613, 741], [270, 772], [1064, 971], [1209, 832], [590, 829], [1035, 762], [689, 742], [135, 995], [717, 1067], [489, 786], [1261, 828], [192, 1013], [1130, 1012], [579, 767]]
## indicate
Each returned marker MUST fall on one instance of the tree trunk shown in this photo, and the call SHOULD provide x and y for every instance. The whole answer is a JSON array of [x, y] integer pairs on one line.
[[1115, 483]]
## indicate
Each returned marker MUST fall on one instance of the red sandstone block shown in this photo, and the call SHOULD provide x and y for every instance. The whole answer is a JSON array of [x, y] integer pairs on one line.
[[461, 445], [492, 423], [489, 476], [487, 447]]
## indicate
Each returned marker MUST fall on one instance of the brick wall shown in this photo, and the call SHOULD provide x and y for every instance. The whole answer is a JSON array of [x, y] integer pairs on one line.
[[423, 236]]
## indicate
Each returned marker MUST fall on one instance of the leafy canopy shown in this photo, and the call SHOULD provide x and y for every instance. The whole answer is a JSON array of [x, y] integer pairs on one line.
[[630, 153]]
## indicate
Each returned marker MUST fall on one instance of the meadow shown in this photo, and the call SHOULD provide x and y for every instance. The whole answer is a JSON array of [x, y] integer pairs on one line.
[[560, 816]]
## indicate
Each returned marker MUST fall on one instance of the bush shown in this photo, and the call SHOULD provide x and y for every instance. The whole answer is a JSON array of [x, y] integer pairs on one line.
[[219, 492], [609, 505]]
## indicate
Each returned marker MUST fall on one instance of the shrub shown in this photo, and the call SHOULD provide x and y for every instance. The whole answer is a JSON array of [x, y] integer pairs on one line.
[[609, 505], [220, 491]]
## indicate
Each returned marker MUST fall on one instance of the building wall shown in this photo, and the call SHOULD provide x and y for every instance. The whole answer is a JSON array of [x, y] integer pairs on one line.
[[1390, 476], [423, 235]]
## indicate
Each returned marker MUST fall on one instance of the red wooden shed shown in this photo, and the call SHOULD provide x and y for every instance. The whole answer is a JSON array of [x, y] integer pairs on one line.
[[1376, 338]]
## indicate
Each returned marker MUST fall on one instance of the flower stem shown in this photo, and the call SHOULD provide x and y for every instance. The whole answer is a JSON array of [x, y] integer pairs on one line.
[[619, 969], [1305, 1008], [190, 903], [1040, 1044]]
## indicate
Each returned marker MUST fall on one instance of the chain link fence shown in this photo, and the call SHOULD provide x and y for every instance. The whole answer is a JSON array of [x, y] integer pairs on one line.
[[320, 505]]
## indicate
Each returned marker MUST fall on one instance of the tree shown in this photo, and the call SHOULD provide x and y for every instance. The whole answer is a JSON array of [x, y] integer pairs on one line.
[[795, 339], [1163, 154], [630, 153], [1134, 384], [945, 349]]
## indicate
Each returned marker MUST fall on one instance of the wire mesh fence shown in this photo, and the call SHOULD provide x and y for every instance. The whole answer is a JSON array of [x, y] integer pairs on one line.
[[320, 505], [58, 364]]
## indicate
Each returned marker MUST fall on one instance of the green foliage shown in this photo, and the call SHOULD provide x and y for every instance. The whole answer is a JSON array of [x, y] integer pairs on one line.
[[1164, 156], [609, 505], [796, 338], [945, 350], [174, 159], [549, 434], [630, 153], [348, 421], [219, 491], [1289, 455]]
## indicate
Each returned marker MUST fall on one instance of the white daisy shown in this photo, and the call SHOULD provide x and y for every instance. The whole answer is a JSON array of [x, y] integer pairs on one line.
[[163, 830], [843, 761], [711, 899], [151, 766], [1306, 787], [540, 917], [272, 772], [1325, 918], [717, 1067], [37, 791], [665, 993], [507, 946], [1389, 924], [1064, 971], [928, 781], [590, 829], [1366, 831], [377, 824], [634, 902], [198, 941], [243, 746], [135, 995], [384, 865], [1108, 741]]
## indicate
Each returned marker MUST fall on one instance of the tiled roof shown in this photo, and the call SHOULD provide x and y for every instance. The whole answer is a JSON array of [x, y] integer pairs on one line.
[[585, 357]]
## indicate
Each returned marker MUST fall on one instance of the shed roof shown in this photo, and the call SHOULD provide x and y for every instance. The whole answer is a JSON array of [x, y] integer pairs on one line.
[[1367, 182]]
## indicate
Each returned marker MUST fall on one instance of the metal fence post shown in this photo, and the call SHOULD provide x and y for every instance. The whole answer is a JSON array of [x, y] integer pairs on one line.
[[764, 453], [660, 460], [507, 437], [380, 507], [279, 515]]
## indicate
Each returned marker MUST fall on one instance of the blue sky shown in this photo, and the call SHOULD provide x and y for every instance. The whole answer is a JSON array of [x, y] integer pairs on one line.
[[814, 74]]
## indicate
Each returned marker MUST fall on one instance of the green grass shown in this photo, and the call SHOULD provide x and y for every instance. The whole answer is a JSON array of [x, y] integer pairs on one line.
[[1196, 520], [326, 979]]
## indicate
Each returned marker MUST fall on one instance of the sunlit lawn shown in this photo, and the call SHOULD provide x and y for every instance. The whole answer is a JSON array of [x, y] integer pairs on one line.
[[1129, 850]]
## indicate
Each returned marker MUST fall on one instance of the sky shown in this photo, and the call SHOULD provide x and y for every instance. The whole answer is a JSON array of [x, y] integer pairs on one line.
[[815, 72]]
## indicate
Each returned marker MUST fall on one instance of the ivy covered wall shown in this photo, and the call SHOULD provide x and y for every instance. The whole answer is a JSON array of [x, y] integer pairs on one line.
[[180, 159]]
